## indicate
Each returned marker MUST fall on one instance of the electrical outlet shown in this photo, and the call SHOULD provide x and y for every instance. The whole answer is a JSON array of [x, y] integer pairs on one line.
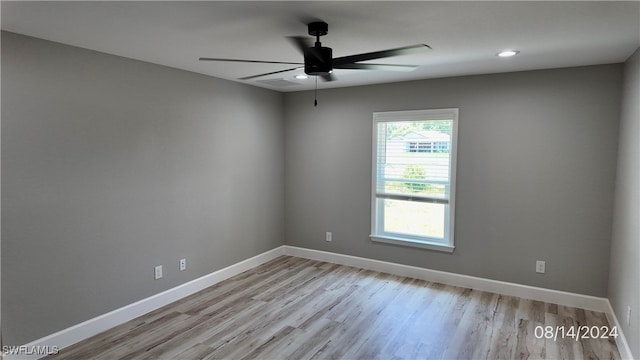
[[628, 315], [183, 264], [158, 272], [329, 236], [540, 266]]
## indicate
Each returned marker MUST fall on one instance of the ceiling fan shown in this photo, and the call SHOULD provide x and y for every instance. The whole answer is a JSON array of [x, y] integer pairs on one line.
[[319, 61]]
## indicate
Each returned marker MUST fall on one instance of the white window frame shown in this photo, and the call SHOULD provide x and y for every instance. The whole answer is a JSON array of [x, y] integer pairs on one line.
[[377, 219]]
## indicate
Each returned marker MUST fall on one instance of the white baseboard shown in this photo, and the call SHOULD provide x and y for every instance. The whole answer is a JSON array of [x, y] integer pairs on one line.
[[106, 321], [91, 327], [621, 340]]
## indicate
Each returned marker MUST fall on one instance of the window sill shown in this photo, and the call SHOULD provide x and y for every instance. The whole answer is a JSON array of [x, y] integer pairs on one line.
[[412, 243]]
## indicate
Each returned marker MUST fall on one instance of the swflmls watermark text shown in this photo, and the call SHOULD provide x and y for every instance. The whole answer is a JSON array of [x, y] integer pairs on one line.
[[30, 350]]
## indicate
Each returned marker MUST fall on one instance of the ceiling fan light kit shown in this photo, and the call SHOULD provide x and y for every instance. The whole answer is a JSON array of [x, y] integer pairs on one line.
[[508, 53]]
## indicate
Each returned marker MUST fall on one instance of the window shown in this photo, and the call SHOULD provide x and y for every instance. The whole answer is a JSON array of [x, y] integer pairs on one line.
[[413, 190]]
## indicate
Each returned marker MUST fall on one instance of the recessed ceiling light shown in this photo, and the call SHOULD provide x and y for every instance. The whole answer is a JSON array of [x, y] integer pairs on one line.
[[301, 76], [508, 53]]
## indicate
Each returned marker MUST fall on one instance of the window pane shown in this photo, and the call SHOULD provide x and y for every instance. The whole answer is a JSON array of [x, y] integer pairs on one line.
[[414, 150], [414, 157], [414, 218]]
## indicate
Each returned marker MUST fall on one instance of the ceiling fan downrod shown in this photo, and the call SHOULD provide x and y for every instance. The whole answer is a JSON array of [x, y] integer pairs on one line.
[[317, 29]]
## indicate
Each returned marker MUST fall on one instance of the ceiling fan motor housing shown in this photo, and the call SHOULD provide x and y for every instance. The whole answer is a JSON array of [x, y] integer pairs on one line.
[[318, 60]]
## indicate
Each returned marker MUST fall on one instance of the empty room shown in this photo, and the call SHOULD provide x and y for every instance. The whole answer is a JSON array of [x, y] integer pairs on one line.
[[320, 180]]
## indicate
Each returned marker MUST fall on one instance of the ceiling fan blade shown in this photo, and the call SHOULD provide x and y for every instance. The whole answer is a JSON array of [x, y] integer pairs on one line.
[[269, 73], [328, 77], [250, 61], [384, 67], [380, 54], [300, 42]]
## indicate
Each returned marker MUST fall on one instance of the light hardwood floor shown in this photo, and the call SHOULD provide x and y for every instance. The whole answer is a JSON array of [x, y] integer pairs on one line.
[[292, 308]]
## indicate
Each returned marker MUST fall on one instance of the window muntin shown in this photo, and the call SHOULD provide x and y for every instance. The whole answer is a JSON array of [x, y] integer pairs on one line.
[[414, 177]]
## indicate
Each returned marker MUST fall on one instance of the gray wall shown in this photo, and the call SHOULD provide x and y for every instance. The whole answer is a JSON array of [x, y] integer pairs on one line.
[[624, 277], [536, 168], [111, 166]]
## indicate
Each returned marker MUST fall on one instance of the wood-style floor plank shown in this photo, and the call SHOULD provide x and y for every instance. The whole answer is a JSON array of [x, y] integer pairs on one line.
[[292, 308]]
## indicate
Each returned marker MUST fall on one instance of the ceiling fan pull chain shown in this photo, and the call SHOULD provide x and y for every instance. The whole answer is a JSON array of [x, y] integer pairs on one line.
[[315, 100]]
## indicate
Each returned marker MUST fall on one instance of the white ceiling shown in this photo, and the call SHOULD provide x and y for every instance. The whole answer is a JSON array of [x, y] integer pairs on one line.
[[465, 36]]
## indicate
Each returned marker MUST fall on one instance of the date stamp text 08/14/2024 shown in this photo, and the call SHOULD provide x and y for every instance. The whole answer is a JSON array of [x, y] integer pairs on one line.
[[575, 332]]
